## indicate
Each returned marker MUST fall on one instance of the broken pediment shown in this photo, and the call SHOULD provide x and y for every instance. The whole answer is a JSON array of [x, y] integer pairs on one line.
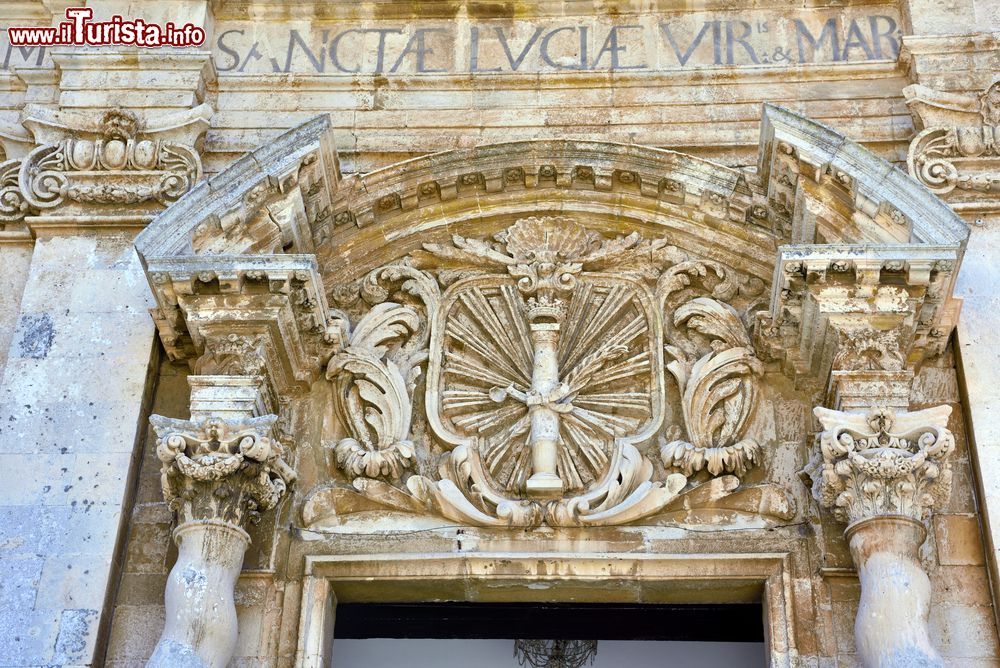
[[551, 332]]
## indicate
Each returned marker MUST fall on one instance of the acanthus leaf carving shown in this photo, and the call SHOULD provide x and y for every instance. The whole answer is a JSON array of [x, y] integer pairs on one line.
[[374, 393], [376, 371], [883, 463], [545, 383], [229, 470], [718, 390]]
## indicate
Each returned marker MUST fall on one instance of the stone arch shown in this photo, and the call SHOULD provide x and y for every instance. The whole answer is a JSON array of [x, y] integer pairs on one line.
[[815, 201]]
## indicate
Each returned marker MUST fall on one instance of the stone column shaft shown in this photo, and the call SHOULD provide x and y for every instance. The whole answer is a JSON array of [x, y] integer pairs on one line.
[[221, 469], [200, 627], [882, 473], [544, 436], [891, 626]]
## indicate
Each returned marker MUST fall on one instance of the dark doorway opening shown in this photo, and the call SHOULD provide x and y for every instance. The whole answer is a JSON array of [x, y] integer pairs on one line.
[[495, 635], [598, 621]]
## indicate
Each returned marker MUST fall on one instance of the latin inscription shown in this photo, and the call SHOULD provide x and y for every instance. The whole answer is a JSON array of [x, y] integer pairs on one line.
[[647, 42]]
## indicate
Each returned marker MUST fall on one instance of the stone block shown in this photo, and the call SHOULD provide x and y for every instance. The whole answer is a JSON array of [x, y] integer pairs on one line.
[[134, 631], [77, 636], [139, 589], [19, 580], [66, 480], [68, 582], [961, 585], [111, 291], [28, 638], [958, 540], [934, 386], [147, 548], [963, 631]]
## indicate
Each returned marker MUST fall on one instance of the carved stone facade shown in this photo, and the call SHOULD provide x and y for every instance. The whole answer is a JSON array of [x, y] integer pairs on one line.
[[499, 319]]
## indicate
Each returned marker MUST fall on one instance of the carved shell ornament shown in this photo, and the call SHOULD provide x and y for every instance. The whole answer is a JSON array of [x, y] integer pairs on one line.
[[546, 386]]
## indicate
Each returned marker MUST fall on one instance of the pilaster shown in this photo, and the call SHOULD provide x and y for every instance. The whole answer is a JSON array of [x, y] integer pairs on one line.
[[81, 170]]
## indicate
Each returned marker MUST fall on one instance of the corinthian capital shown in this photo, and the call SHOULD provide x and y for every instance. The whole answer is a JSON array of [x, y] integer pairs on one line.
[[884, 462], [229, 470]]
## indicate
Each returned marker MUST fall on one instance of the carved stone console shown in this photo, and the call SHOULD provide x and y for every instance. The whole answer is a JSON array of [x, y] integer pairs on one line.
[[882, 473], [220, 470]]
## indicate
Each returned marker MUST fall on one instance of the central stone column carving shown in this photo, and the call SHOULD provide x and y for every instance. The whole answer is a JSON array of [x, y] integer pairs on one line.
[[220, 470], [542, 399], [882, 472]]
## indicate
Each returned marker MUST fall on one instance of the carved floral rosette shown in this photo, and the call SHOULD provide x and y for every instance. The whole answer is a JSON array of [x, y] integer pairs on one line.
[[546, 384], [119, 167], [216, 469], [883, 463]]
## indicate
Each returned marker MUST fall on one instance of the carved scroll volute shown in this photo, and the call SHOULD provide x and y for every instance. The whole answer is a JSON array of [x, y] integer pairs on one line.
[[117, 165], [13, 205], [717, 373], [374, 393], [958, 148]]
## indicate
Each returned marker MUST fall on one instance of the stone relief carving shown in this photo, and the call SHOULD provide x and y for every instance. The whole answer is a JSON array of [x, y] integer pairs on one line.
[[229, 470], [94, 166], [77, 169], [719, 391], [546, 382], [13, 205], [958, 147], [883, 463], [374, 393]]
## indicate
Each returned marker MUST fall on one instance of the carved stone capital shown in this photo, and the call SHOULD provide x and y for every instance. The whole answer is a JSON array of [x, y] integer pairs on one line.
[[110, 169], [218, 469], [883, 463], [223, 464], [956, 152]]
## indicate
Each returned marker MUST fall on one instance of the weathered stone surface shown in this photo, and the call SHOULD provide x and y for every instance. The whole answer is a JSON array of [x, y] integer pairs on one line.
[[418, 330]]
